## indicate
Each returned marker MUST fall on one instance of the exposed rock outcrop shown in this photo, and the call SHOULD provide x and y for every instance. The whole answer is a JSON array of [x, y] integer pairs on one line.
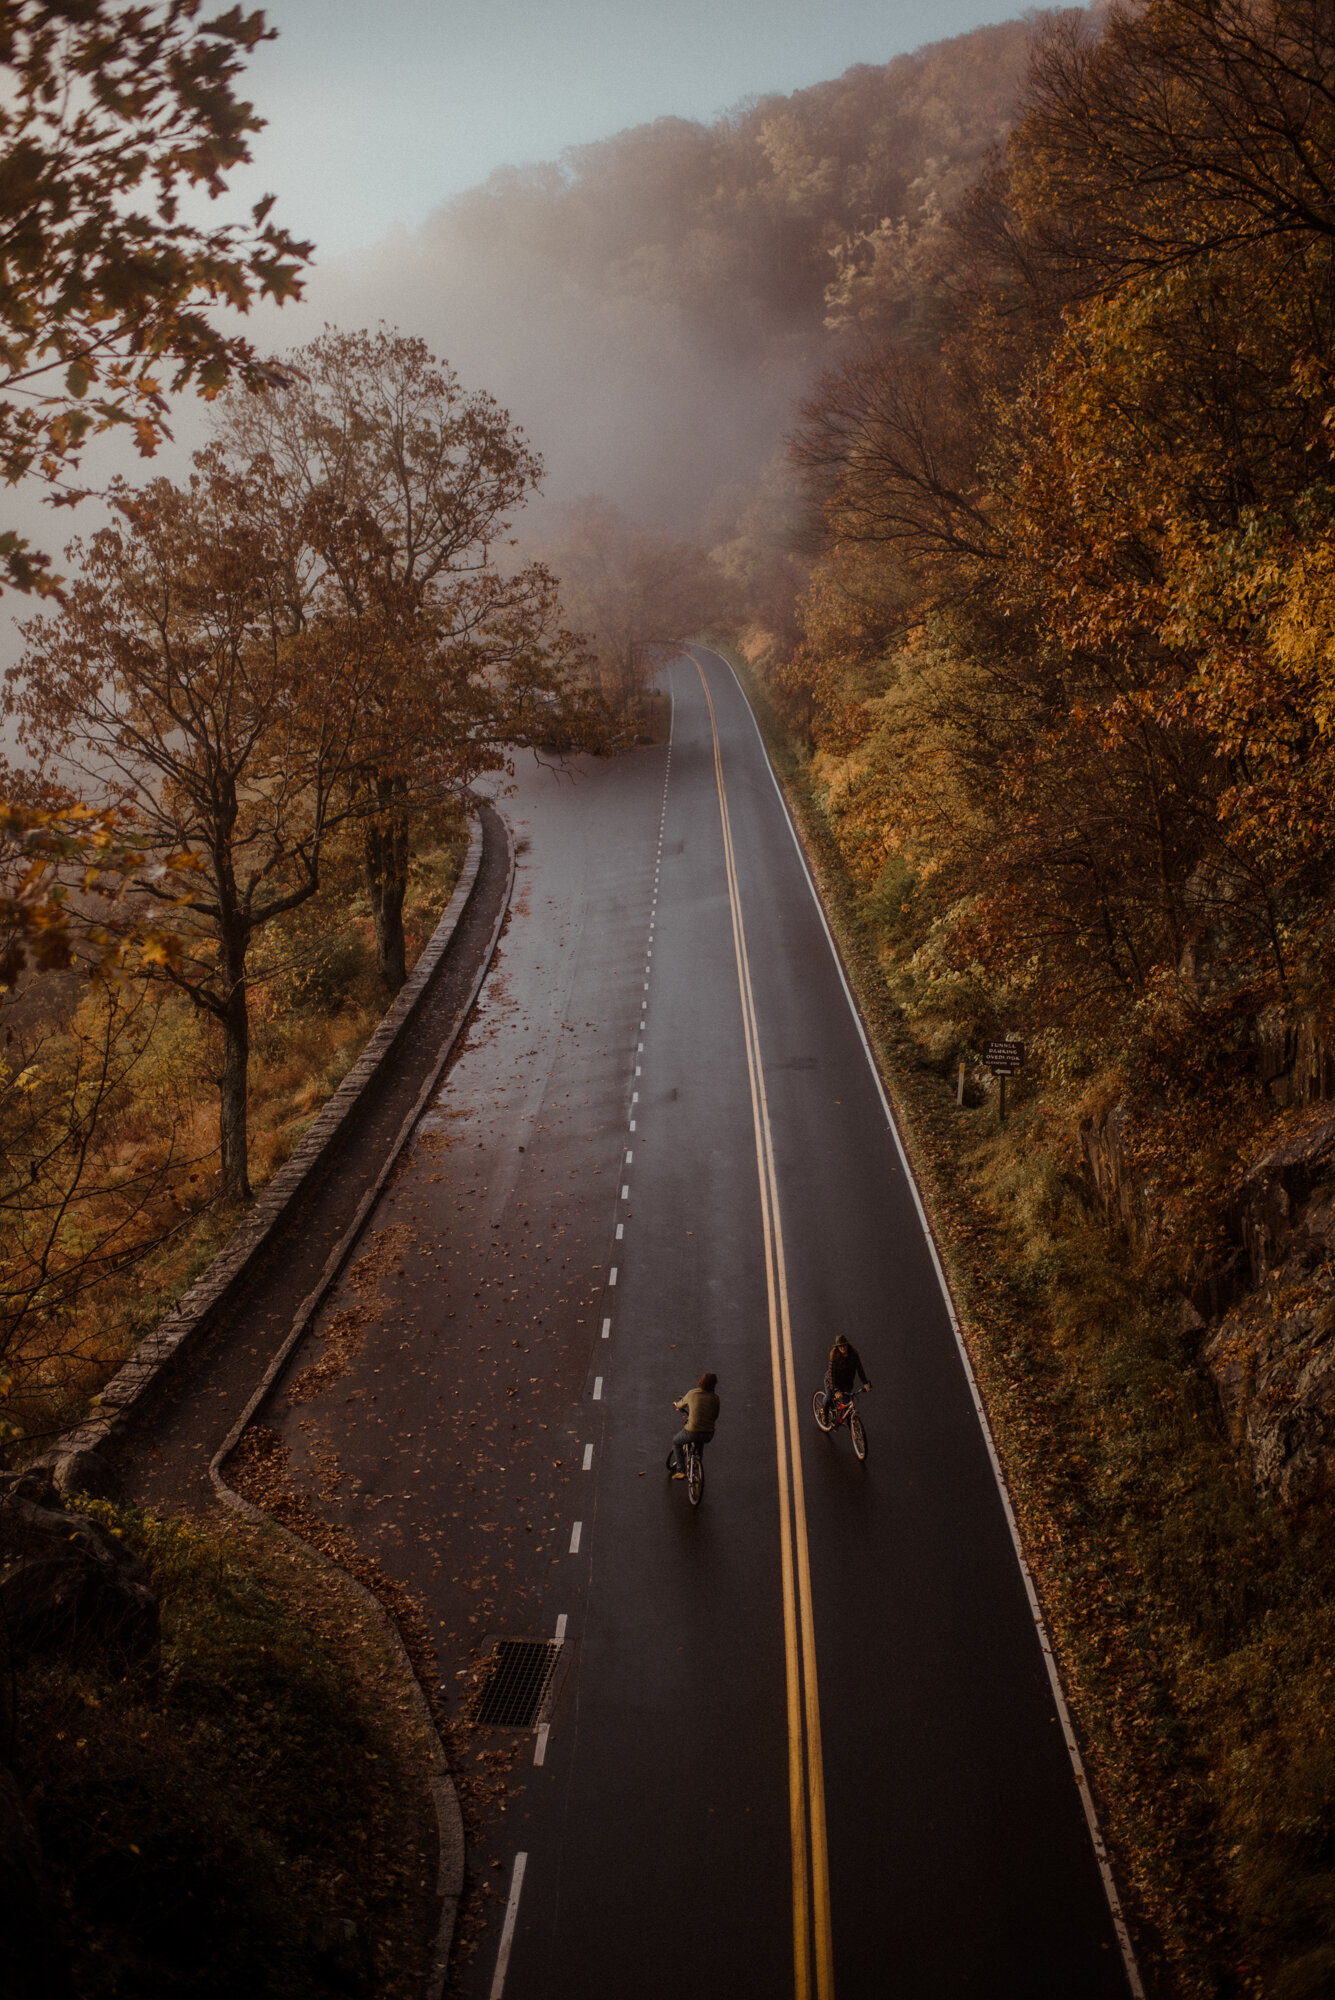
[[1273, 1215], [1271, 1355], [1273, 1363], [66, 1582], [1122, 1195], [1296, 1066], [79, 1469]]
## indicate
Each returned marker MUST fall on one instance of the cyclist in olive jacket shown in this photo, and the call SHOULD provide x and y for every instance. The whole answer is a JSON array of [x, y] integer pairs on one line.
[[700, 1407]]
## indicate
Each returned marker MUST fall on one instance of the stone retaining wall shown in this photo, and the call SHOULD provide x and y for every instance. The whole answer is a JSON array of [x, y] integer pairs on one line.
[[194, 1316]]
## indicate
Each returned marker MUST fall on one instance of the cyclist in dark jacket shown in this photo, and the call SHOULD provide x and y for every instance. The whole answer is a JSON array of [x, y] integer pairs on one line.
[[845, 1367]]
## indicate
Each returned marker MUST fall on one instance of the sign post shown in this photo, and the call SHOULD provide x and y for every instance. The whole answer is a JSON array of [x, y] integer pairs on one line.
[[1004, 1059]]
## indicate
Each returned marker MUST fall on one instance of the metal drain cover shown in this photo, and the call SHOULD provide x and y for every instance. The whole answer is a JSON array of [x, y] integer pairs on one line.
[[515, 1692]]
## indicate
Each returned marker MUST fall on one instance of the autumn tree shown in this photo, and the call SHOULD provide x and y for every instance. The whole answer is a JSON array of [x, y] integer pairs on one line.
[[471, 658], [81, 1198], [760, 539], [74, 1209], [110, 113], [633, 591], [197, 678], [1110, 480], [72, 882], [1168, 134]]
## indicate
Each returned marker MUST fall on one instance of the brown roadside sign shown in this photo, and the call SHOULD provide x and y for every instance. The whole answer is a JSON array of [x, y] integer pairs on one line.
[[1003, 1056]]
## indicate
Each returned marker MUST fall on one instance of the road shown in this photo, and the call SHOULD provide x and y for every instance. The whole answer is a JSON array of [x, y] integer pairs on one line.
[[804, 1742]]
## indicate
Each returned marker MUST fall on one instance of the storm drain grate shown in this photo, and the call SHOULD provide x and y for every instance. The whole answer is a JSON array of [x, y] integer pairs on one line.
[[519, 1682]]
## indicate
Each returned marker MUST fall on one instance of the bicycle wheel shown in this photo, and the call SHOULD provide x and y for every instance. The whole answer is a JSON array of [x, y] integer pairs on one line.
[[695, 1476], [859, 1436], [819, 1411]]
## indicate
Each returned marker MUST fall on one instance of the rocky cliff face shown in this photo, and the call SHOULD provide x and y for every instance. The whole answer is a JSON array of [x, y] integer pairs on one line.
[[1267, 1312], [1294, 1064], [1122, 1195], [1272, 1355]]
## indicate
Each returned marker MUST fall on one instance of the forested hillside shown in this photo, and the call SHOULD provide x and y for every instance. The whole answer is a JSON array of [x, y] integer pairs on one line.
[[649, 307], [1066, 656]]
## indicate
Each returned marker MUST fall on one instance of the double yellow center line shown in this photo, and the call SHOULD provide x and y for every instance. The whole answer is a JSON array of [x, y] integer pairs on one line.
[[812, 1951]]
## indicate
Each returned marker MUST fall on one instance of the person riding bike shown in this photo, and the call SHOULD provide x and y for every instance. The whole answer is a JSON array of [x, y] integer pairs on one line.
[[700, 1407], [841, 1377]]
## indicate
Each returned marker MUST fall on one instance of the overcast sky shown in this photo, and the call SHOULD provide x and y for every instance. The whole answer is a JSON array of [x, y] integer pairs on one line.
[[380, 110]]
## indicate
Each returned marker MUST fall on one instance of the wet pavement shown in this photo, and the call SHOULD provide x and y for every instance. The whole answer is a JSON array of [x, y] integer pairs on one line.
[[576, 1231]]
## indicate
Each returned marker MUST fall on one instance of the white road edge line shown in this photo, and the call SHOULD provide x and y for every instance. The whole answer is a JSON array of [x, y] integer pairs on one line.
[[540, 1747], [508, 1928], [1114, 1900], [561, 1628], [575, 1534]]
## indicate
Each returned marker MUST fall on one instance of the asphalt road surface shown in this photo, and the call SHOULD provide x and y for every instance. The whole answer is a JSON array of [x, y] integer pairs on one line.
[[803, 1741]]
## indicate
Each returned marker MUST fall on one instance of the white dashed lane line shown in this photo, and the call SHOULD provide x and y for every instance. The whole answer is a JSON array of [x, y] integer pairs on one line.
[[540, 1751], [508, 1928]]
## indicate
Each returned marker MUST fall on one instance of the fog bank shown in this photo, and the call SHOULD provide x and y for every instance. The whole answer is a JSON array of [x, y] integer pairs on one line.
[[650, 308]]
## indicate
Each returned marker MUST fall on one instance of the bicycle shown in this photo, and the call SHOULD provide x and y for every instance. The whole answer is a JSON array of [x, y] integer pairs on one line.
[[695, 1470], [844, 1412]]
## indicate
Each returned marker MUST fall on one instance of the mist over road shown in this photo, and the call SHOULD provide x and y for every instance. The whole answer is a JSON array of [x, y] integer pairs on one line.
[[804, 1741]]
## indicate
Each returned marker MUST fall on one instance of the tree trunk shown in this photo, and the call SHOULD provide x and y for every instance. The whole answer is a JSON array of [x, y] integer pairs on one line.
[[387, 855], [232, 1122]]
